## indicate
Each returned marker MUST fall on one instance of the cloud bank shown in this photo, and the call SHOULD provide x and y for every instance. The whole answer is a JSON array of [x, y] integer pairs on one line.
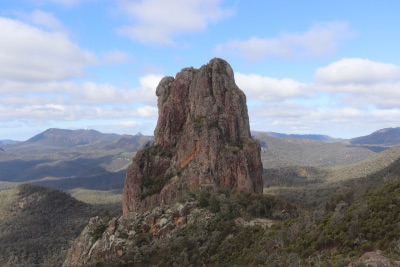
[[159, 21], [357, 71], [345, 96], [320, 40], [40, 73], [32, 55], [43, 75]]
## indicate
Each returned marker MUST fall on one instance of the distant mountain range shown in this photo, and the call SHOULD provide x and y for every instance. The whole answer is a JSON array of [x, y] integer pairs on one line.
[[8, 142], [69, 138], [54, 137], [316, 137], [383, 137], [67, 159]]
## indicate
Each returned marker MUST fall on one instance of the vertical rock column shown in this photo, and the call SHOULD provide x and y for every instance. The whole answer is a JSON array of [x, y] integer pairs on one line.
[[202, 138]]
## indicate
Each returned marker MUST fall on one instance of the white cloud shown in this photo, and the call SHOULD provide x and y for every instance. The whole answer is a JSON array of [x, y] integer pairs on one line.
[[148, 85], [378, 95], [361, 83], [320, 40], [263, 88], [47, 20], [108, 94], [86, 93], [31, 55], [360, 99], [116, 57], [147, 111], [91, 93], [41, 19], [365, 102], [159, 21], [338, 121], [44, 102], [56, 112], [129, 123], [357, 71]]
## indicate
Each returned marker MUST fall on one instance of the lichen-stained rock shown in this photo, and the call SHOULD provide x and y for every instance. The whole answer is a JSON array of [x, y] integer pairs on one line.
[[108, 242], [202, 139]]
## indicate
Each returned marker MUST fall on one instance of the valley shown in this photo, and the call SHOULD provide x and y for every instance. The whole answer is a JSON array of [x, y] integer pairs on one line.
[[70, 160]]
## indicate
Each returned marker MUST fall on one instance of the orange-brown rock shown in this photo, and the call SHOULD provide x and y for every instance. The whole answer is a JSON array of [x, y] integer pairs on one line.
[[202, 139]]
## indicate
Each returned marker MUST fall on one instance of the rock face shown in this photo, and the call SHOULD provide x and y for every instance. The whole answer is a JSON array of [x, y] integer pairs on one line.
[[108, 241], [202, 139]]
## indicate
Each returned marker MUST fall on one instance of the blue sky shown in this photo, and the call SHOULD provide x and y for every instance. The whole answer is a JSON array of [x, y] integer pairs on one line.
[[321, 67]]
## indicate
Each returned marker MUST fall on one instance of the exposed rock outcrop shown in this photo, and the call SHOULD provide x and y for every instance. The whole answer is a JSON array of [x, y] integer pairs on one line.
[[374, 259], [202, 138], [103, 241]]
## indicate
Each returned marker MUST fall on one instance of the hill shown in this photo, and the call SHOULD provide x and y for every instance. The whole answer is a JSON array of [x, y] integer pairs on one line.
[[37, 225], [315, 137], [383, 137], [353, 224], [365, 167], [311, 186], [285, 152]]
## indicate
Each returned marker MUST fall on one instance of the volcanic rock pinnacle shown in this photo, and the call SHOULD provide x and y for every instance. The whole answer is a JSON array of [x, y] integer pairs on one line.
[[202, 139]]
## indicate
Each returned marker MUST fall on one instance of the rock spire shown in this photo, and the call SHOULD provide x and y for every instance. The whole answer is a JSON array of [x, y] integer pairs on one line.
[[202, 139]]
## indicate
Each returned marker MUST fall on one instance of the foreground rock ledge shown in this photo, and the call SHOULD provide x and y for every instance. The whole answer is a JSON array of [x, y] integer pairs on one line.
[[202, 139]]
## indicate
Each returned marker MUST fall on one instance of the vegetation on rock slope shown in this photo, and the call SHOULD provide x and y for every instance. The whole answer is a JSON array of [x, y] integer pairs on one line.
[[37, 225], [351, 229], [311, 186], [222, 231], [364, 217]]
